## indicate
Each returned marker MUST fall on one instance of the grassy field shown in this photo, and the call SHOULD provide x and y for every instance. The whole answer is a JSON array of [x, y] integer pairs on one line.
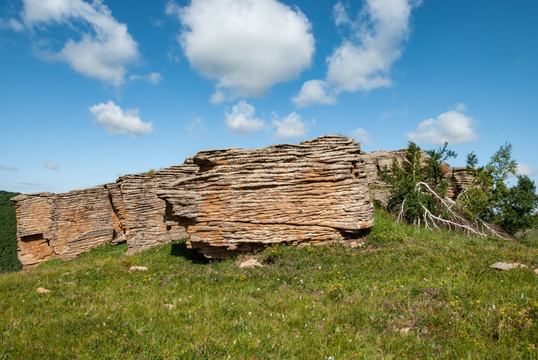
[[406, 293]]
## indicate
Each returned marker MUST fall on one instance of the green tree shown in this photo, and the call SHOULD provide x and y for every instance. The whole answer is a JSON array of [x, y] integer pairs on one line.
[[414, 177], [516, 208], [8, 234]]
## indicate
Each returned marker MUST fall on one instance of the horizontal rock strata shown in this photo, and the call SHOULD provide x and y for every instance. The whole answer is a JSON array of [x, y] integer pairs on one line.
[[64, 225], [225, 201], [240, 200]]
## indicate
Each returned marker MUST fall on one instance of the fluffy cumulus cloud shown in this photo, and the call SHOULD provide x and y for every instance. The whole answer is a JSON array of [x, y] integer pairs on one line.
[[361, 135], [314, 92], [241, 119], [290, 126], [526, 170], [51, 165], [117, 121], [104, 52], [246, 46], [364, 59], [452, 127]]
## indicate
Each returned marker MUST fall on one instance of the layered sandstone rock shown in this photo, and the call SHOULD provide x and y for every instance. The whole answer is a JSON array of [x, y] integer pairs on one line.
[[64, 225], [240, 200], [143, 213], [225, 201]]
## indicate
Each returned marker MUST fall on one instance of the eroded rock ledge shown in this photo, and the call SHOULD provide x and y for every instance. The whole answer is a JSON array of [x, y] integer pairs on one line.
[[224, 201]]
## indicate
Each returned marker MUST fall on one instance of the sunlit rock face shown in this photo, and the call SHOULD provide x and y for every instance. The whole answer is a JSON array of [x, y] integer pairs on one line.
[[241, 200], [225, 201]]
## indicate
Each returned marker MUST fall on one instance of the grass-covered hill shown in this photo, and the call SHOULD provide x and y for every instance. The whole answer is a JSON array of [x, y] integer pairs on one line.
[[8, 234], [407, 293]]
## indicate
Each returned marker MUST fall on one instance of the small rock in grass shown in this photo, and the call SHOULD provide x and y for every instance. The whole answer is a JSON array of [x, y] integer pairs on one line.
[[41, 290], [507, 266], [138, 268], [536, 271], [169, 306], [249, 263]]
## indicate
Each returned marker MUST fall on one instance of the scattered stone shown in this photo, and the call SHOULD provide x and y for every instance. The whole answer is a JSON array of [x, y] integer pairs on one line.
[[138, 268], [432, 292], [503, 266], [536, 271], [169, 306], [358, 243], [249, 263], [41, 290]]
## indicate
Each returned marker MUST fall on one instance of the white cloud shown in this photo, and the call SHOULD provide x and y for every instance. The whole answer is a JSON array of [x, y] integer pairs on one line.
[[452, 127], [361, 135], [102, 53], [117, 121], [8, 168], [246, 46], [340, 15], [363, 61], [11, 24], [195, 128], [313, 92], [241, 119], [51, 165], [526, 170], [217, 97], [153, 78], [290, 126]]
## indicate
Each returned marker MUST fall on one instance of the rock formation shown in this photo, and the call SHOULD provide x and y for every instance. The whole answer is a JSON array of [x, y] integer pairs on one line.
[[240, 200], [225, 201], [64, 225]]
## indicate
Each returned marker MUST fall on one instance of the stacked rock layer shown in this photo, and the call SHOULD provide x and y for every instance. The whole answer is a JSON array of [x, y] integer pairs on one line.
[[240, 200], [224, 201]]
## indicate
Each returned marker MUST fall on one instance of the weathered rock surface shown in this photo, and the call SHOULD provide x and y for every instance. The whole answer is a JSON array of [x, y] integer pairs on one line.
[[63, 225], [240, 200], [503, 266], [225, 201]]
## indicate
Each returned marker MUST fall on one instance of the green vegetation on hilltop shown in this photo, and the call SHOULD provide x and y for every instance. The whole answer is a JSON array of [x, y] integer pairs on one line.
[[8, 234], [407, 293], [419, 187]]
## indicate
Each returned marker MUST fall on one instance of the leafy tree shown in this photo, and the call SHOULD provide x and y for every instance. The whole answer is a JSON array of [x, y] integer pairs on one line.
[[419, 188], [409, 198], [516, 208], [8, 234]]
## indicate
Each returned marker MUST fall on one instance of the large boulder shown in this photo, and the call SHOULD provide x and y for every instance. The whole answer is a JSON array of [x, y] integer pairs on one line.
[[226, 201], [241, 200]]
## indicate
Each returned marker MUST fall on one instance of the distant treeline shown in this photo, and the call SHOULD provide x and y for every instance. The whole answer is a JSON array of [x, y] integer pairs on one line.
[[8, 234]]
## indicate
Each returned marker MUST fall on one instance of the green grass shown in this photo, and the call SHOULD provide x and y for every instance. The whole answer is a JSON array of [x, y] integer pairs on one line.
[[407, 293]]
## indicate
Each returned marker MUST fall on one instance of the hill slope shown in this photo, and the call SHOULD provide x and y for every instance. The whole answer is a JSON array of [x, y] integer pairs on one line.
[[406, 293]]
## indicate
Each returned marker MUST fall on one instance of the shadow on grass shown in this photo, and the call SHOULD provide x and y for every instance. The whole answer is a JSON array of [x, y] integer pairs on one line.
[[180, 249]]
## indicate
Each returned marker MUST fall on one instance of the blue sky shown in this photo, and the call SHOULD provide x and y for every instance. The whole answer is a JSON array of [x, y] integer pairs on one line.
[[90, 91]]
